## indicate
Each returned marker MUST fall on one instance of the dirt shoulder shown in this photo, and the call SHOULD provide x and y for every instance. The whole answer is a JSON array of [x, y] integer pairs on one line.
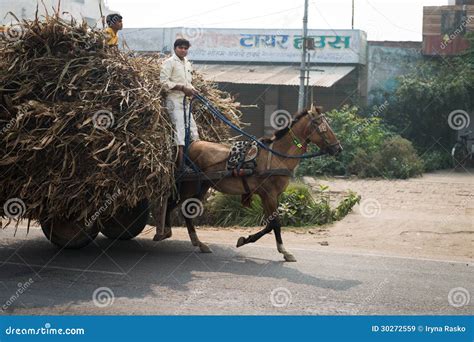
[[428, 217]]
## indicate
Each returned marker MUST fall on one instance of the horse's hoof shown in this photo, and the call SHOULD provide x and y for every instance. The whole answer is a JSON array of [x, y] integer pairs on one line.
[[205, 248], [289, 257], [240, 242]]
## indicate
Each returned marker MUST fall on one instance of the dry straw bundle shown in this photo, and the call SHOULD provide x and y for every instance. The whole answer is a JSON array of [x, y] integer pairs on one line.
[[81, 123]]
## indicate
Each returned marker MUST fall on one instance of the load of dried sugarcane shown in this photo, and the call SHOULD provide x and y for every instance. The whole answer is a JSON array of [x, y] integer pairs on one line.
[[81, 123]]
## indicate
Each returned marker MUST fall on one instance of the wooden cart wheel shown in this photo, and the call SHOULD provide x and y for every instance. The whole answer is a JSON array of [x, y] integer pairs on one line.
[[67, 233], [127, 223]]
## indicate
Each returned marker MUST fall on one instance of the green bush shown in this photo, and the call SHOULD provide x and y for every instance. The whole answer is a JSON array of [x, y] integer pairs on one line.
[[436, 160], [354, 132], [396, 158], [370, 149], [420, 105], [297, 208]]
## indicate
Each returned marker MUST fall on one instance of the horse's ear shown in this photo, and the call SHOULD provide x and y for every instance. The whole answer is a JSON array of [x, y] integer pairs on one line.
[[315, 109]]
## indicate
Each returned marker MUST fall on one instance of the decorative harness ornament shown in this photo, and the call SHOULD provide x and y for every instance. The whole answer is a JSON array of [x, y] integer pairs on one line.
[[242, 155]]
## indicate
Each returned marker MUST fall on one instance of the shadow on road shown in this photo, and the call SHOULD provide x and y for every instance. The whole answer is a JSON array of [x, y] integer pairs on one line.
[[135, 269]]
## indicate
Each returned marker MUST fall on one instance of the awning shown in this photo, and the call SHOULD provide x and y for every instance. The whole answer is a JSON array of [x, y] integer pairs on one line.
[[325, 76]]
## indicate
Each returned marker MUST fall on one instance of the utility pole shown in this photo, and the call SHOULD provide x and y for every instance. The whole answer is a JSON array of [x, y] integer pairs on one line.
[[301, 94], [353, 14]]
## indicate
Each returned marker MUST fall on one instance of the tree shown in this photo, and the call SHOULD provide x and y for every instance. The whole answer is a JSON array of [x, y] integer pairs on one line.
[[421, 104]]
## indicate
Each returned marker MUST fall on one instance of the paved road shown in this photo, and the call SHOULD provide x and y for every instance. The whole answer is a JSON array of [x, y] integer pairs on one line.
[[173, 278]]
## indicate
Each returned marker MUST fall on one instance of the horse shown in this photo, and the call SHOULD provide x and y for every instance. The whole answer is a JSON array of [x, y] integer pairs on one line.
[[308, 126]]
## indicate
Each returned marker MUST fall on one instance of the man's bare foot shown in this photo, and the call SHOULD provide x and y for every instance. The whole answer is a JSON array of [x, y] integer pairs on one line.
[[160, 237]]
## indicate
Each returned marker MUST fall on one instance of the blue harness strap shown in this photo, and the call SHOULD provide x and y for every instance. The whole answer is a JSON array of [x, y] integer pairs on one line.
[[214, 111], [229, 123]]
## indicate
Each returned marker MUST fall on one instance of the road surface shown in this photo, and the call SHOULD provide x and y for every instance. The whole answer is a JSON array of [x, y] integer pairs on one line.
[[141, 277]]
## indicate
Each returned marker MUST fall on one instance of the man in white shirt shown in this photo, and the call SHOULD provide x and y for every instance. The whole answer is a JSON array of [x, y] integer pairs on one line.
[[176, 76]]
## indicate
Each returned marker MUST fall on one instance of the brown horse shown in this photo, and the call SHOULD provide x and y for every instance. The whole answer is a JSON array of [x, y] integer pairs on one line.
[[309, 126]]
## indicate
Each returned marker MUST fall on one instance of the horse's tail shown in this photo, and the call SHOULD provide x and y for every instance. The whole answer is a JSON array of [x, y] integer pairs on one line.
[[246, 200]]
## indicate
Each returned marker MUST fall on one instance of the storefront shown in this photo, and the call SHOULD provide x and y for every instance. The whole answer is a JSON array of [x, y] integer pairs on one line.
[[261, 66]]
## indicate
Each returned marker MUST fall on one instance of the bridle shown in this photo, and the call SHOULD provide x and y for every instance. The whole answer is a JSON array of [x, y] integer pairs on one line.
[[318, 123]]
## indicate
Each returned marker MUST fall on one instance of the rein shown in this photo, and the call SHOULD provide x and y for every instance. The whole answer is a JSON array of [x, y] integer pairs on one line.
[[221, 117]]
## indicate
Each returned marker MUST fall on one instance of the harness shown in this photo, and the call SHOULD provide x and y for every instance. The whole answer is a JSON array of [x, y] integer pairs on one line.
[[240, 162], [316, 121]]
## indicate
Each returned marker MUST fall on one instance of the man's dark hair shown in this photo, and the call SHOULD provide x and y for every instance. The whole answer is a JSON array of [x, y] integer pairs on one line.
[[113, 18], [182, 42]]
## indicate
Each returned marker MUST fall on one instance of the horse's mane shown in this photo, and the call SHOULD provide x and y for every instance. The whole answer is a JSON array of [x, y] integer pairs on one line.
[[278, 134]]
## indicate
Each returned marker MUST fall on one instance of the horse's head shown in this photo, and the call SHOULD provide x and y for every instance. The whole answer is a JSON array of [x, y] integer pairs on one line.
[[318, 131]]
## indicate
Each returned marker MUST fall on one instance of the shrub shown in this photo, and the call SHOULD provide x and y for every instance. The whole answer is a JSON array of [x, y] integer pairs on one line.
[[297, 208], [436, 160], [370, 149], [396, 158], [354, 132]]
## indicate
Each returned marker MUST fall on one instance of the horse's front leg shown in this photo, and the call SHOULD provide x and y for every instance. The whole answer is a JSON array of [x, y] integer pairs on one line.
[[277, 230]]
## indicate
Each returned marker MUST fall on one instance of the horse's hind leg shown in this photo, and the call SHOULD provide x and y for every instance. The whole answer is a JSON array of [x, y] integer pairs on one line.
[[270, 206]]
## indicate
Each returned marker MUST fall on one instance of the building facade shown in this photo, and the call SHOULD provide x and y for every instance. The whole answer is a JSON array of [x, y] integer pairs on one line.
[[388, 60], [445, 28], [261, 67], [444, 36]]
